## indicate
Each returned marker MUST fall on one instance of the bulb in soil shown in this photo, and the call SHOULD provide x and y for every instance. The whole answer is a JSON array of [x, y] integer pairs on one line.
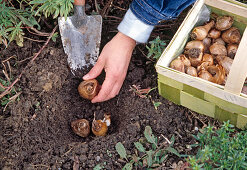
[[88, 89], [100, 127], [81, 127]]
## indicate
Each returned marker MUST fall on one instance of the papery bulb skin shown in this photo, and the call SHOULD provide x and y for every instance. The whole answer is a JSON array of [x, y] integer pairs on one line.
[[203, 66], [217, 49], [194, 44], [232, 50], [208, 58], [99, 128], [195, 56], [218, 73], [225, 62], [223, 22], [185, 60], [201, 32], [191, 71], [177, 64], [231, 36], [214, 33], [207, 43], [88, 89], [219, 41], [204, 74]]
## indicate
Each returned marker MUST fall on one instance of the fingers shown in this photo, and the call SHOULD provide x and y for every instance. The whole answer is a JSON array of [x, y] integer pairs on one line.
[[110, 88], [95, 71]]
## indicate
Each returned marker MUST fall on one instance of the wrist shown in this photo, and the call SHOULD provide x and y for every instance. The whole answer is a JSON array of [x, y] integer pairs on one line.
[[126, 40]]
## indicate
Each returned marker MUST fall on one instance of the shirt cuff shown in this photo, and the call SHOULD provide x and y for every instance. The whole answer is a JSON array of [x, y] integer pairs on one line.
[[135, 28]]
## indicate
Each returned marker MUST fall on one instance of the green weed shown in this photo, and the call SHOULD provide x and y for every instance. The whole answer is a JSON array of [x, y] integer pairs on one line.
[[11, 96], [220, 149], [51, 7], [12, 21], [150, 153], [156, 48]]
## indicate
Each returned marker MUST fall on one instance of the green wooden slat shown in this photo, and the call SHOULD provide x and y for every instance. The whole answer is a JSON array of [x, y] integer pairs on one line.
[[237, 3], [169, 93], [170, 82], [242, 121], [193, 91], [223, 115], [230, 107], [196, 104]]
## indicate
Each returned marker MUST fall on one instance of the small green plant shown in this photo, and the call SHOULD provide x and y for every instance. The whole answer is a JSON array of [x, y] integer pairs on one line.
[[156, 48], [156, 104], [24, 14], [220, 149], [12, 22], [51, 7], [11, 96], [150, 153]]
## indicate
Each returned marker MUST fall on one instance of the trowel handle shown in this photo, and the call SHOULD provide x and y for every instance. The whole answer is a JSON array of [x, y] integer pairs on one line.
[[79, 8], [79, 2]]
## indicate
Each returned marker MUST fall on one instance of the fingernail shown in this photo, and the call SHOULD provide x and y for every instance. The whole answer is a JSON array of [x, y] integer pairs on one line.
[[86, 77]]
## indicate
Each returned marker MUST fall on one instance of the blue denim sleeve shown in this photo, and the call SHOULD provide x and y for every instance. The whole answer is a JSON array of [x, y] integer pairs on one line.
[[152, 12]]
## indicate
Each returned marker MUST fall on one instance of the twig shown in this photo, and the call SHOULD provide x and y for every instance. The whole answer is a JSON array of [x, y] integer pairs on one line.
[[7, 90], [11, 99], [10, 71], [2, 86], [33, 39], [119, 7], [106, 8], [96, 6], [204, 124], [6, 75], [13, 56], [143, 53], [37, 54], [166, 139], [48, 40], [36, 32], [113, 17], [25, 59]]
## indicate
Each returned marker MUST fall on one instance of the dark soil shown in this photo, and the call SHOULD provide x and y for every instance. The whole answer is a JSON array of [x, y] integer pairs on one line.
[[36, 132]]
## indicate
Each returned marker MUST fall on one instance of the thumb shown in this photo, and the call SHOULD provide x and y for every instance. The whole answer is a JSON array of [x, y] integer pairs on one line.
[[95, 71]]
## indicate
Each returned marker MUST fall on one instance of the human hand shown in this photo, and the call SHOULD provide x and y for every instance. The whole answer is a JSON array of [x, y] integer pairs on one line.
[[114, 59]]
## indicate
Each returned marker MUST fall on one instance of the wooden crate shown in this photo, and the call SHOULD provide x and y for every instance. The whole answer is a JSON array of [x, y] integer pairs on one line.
[[220, 102]]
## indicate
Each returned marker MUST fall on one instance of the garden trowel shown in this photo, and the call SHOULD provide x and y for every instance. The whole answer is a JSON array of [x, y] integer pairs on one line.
[[81, 35]]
